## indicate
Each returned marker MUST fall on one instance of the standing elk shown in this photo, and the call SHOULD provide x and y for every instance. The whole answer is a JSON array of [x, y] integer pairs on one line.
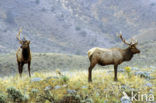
[[23, 54], [114, 56]]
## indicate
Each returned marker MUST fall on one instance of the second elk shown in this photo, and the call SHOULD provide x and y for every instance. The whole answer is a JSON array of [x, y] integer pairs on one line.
[[23, 54], [113, 56]]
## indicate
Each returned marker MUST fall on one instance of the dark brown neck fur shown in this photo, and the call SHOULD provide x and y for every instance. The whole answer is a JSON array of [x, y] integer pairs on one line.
[[127, 55], [26, 53]]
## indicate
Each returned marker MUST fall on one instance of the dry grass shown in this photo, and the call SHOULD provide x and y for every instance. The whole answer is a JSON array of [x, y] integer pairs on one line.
[[102, 89]]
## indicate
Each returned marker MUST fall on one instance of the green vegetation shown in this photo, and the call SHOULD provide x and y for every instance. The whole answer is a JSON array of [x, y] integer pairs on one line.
[[46, 86], [73, 87], [43, 62], [68, 62]]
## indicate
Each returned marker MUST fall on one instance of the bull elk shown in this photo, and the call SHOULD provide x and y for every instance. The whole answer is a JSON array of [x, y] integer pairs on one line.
[[114, 56], [23, 54]]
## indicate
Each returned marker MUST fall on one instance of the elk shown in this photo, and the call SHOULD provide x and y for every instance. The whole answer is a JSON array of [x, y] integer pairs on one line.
[[112, 56], [23, 54]]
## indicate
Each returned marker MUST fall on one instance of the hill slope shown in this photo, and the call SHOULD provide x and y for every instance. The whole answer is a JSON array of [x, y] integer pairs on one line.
[[73, 26], [44, 62]]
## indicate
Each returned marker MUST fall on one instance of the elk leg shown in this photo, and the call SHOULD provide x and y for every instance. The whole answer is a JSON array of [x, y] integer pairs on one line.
[[115, 72], [29, 68], [21, 69], [90, 72]]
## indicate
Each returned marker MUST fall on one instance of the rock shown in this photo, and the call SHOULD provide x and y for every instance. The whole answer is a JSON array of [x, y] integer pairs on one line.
[[148, 84], [84, 87], [36, 79], [48, 88], [71, 91], [65, 85], [57, 87]]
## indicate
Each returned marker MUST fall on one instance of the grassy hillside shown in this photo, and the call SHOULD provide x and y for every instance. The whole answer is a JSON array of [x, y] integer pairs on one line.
[[72, 87], [43, 62], [69, 82], [73, 26]]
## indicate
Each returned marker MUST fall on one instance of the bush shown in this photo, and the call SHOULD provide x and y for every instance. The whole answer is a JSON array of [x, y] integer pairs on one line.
[[15, 95], [64, 78], [46, 96], [34, 93], [2, 98], [71, 99]]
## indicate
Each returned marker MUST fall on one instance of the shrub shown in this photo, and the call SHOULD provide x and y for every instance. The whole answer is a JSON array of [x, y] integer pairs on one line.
[[15, 95], [2, 98], [46, 96], [34, 93], [64, 78], [71, 99]]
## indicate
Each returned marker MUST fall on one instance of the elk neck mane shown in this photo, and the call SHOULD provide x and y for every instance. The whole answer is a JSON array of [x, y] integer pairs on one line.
[[127, 54], [26, 53]]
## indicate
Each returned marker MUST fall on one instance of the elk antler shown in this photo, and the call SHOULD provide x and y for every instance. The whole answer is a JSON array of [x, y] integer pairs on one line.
[[135, 41], [123, 39], [18, 36]]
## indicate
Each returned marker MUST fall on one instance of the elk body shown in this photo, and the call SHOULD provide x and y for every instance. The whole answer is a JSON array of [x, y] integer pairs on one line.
[[23, 54], [113, 56]]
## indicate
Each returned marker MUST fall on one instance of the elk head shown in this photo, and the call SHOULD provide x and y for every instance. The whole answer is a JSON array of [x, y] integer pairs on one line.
[[24, 43], [132, 45]]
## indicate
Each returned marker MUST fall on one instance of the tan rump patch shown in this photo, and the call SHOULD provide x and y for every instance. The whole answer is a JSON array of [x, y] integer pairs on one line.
[[91, 51]]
